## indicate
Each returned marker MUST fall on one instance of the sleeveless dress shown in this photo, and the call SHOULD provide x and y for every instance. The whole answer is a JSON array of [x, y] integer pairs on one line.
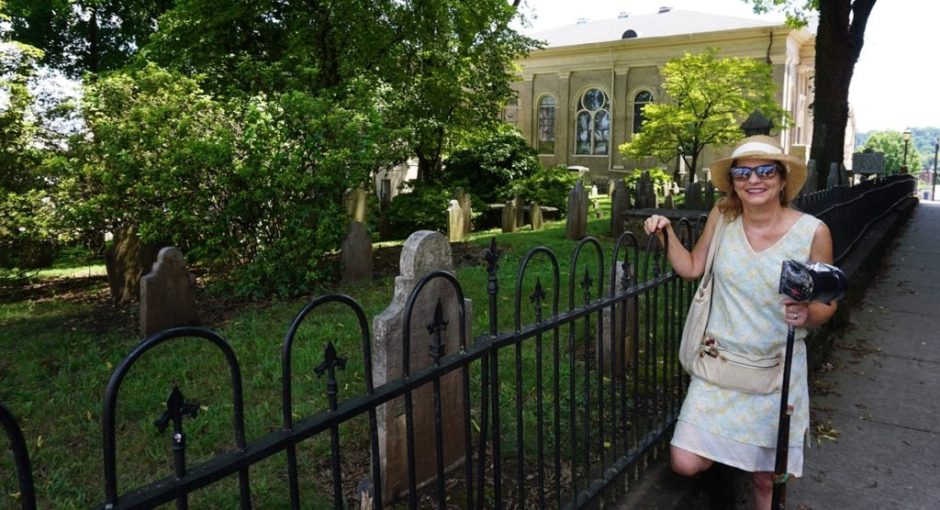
[[727, 426]]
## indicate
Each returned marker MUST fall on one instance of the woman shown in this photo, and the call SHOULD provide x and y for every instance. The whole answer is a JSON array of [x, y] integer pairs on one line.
[[747, 315]]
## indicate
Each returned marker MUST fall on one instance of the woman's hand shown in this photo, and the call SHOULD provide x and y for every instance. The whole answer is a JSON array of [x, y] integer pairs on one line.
[[796, 314], [656, 223]]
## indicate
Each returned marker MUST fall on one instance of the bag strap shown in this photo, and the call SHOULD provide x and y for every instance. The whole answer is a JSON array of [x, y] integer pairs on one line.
[[713, 249]]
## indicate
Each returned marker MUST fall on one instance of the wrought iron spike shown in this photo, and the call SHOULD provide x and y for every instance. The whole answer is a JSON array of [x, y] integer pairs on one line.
[[538, 295], [330, 360], [587, 281], [176, 409], [492, 258]]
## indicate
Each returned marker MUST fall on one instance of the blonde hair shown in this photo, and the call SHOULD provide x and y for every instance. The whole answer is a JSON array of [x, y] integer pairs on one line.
[[730, 205]]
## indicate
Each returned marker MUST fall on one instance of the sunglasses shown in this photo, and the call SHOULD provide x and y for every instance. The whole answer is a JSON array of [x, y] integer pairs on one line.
[[743, 173]]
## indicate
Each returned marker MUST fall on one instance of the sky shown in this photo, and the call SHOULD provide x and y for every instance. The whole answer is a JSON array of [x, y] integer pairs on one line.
[[896, 78]]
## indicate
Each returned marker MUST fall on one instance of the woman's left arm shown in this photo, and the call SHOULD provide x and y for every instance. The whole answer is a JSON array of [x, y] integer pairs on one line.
[[811, 315]]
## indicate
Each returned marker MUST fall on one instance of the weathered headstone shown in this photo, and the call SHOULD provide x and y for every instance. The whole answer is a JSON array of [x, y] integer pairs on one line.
[[509, 217], [356, 253], [645, 194], [576, 227], [463, 198], [167, 294], [519, 208], [667, 196], [455, 218], [619, 204], [535, 212], [127, 260], [423, 252], [621, 340], [356, 201], [695, 197]]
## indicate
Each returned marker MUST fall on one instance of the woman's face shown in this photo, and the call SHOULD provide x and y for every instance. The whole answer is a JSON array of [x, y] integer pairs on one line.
[[757, 190]]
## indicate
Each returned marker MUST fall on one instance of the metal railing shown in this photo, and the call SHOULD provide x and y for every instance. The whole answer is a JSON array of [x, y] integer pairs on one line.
[[594, 386]]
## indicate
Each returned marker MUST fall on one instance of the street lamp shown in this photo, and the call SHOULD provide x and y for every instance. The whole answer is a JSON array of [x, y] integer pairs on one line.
[[907, 140]]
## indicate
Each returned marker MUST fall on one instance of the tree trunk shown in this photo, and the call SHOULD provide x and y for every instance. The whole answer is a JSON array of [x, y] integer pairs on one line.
[[838, 45]]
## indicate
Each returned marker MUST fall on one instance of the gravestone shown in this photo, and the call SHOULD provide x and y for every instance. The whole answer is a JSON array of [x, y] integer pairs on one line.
[[463, 198], [619, 205], [535, 212], [423, 252], [455, 218], [519, 209], [509, 217], [356, 202], [576, 227], [667, 196], [356, 253], [695, 197], [645, 194], [624, 340], [167, 294]]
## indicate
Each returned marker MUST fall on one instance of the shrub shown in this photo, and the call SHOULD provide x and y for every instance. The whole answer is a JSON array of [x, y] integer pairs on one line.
[[424, 208], [546, 187], [488, 161]]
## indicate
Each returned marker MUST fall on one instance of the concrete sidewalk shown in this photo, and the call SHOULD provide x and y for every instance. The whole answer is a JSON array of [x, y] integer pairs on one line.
[[876, 403]]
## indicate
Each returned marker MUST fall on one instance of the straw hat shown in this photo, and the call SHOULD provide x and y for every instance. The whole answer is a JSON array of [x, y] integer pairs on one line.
[[760, 147]]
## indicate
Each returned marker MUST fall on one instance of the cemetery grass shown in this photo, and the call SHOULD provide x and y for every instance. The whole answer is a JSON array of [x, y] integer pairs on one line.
[[61, 342]]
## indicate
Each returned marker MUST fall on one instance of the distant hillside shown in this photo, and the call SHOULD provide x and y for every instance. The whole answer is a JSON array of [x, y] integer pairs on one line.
[[923, 141]]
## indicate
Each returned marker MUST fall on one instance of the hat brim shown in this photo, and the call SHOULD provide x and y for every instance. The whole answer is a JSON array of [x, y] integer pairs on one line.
[[796, 171]]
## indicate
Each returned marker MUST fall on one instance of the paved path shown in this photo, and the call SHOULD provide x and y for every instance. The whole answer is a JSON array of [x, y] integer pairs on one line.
[[877, 443]]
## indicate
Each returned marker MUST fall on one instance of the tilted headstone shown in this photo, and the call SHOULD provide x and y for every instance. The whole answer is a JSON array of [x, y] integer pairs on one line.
[[621, 340], [455, 218], [619, 204], [535, 212], [423, 252], [509, 217], [167, 294], [576, 227], [128, 259], [645, 194], [356, 202], [356, 253], [463, 198]]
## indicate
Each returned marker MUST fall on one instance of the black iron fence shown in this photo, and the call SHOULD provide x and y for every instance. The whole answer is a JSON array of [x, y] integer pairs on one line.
[[560, 411]]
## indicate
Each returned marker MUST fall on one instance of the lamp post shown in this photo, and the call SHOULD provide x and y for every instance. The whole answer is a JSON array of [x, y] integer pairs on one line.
[[907, 140], [933, 180]]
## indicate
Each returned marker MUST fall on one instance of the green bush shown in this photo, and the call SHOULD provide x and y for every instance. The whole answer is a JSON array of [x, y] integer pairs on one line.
[[546, 187], [488, 161], [424, 208]]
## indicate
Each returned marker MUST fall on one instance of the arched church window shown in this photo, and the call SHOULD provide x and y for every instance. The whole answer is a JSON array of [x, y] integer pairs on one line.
[[546, 125], [642, 98], [592, 123]]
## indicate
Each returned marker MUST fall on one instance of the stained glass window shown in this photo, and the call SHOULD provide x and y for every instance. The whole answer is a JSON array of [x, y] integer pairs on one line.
[[642, 99], [592, 123], [546, 120]]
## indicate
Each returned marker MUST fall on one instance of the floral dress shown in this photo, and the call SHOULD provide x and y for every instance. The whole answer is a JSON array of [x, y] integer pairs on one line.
[[727, 426]]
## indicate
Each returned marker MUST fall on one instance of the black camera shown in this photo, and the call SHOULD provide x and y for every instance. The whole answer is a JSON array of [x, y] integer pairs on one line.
[[812, 282]]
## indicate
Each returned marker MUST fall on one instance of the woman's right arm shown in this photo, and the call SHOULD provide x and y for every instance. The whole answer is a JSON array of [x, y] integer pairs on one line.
[[688, 265]]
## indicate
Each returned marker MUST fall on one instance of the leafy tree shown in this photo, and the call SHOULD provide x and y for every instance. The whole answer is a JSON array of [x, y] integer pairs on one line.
[[708, 99], [489, 160], [26, 233], [891, 143], [80, 36], [839, 41], [546, 187]]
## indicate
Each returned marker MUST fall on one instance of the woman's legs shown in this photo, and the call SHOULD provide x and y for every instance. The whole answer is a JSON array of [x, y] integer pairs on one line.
[[763, 483], [687, 463]]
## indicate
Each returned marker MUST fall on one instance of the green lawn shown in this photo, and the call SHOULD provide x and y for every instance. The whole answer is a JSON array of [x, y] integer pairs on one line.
[[55, 364]]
